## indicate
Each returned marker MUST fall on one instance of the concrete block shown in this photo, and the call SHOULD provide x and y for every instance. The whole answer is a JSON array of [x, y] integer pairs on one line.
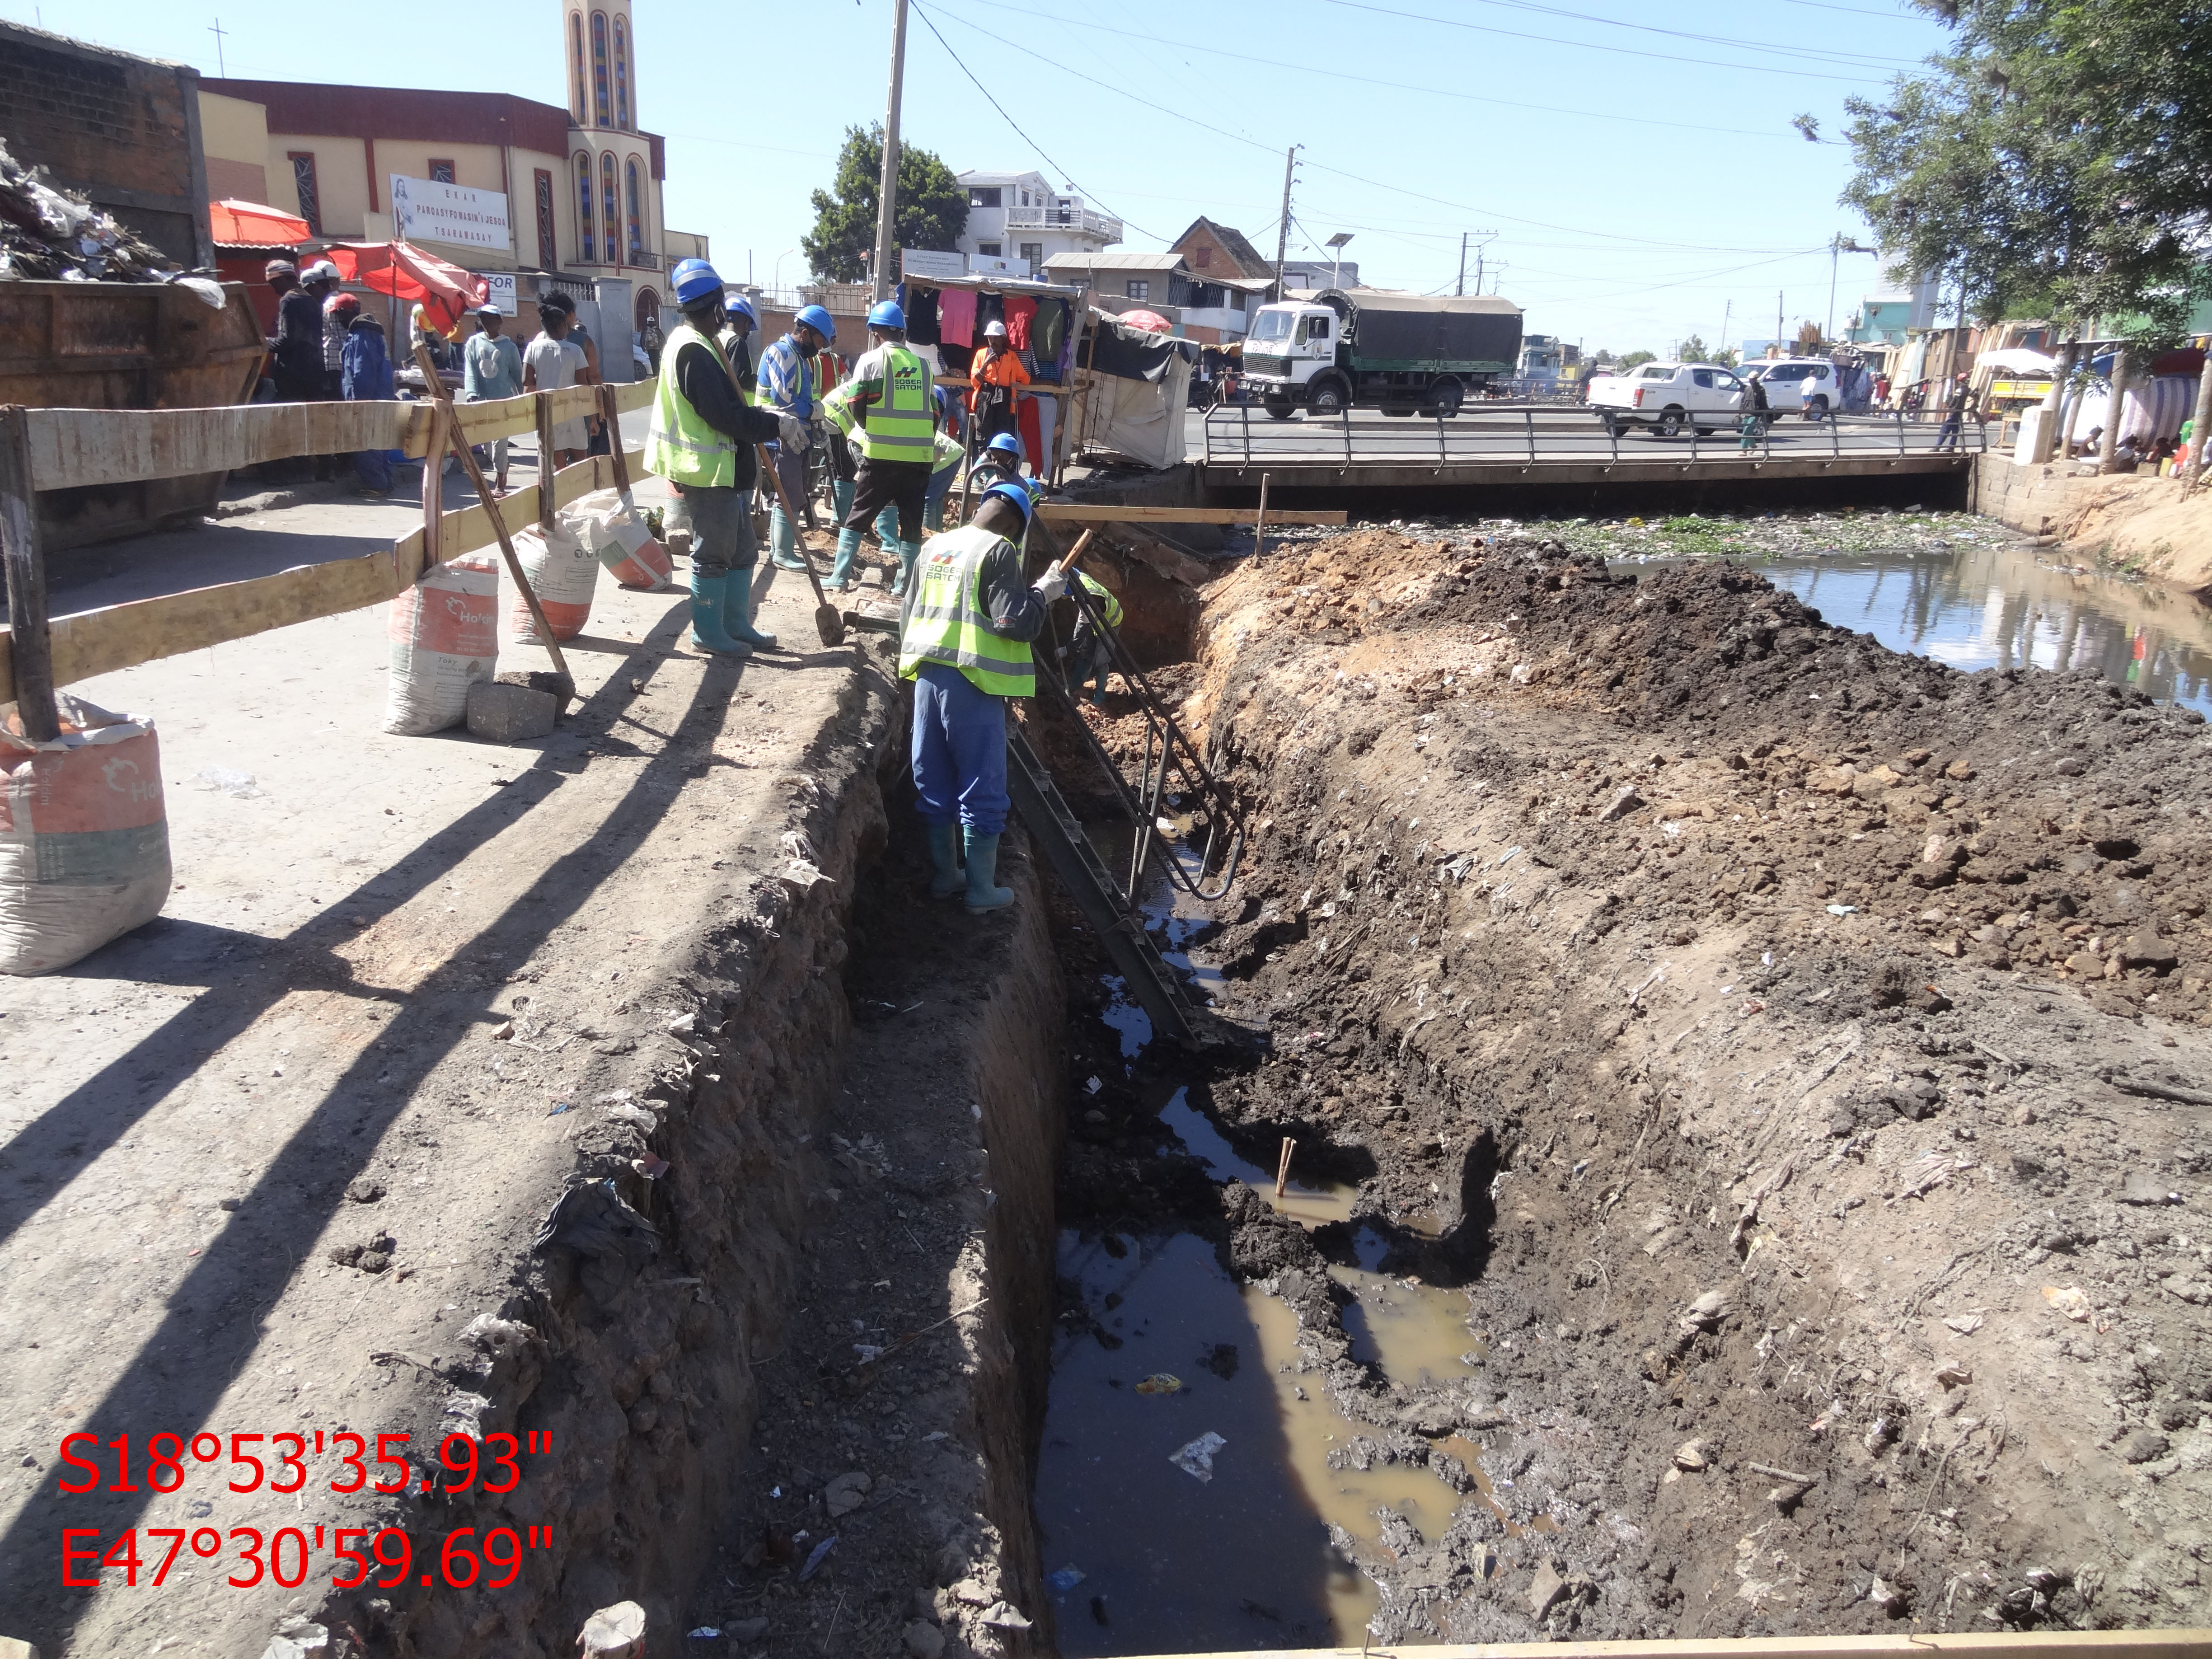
[[511, 714]]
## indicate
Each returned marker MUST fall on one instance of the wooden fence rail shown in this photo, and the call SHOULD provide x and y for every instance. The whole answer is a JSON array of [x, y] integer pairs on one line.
[[74, 447]]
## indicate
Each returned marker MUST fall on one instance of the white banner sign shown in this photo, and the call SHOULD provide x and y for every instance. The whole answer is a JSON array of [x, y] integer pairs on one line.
[[424, 210], [922, 264], [986, 265], [501, 286]]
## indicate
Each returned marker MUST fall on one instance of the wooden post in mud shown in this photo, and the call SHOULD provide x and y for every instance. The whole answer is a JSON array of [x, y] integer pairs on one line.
[[1260, 522], [1283, 1167]]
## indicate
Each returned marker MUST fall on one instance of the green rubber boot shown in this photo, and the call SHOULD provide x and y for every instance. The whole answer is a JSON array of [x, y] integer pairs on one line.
[[907, 552], [783, 539], [840, 573], [945, 879], [841, 498], [738, 603], [707, 602], [983, 891]]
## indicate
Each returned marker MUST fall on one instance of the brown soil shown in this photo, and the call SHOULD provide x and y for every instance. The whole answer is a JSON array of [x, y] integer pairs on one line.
[[1798, 1050]]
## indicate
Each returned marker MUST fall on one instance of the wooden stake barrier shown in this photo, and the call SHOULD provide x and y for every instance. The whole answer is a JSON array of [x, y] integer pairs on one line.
[[1088, 513], [1283, 1167], [1260, 518], [32, 652]]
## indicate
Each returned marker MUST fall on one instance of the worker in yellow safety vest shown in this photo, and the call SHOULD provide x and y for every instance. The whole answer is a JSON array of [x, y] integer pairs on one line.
[[702, 437], [965, 633], [887, 406], [1091, 653]]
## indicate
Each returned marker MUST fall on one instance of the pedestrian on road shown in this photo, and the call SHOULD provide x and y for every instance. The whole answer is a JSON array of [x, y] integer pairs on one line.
[[581, 338], [491, 367], [702, 439], [365, 377], [995, 375], [554, 362], [334, 334], [887, 409], [964, 635], [739, 320], [1754, 413], [1954, 413], [788, 385], [301, 336]]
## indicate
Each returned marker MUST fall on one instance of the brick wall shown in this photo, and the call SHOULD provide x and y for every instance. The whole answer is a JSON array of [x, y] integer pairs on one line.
[[125, 130]]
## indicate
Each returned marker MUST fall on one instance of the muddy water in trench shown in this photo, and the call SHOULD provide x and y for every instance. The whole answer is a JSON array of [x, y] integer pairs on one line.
[[1145, 1556]]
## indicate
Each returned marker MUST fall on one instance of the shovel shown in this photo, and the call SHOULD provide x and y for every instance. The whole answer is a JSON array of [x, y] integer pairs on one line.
[[565, 687], [827, 622]]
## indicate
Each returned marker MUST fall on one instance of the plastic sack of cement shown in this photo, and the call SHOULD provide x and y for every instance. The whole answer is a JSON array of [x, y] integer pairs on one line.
[[611, 526], [445, 638], [563, 572], [84, 837]]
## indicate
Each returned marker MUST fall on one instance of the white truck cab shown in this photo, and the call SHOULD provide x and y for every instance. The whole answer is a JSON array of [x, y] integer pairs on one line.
[[1799, 385], [1668, 397], [1288, 345]]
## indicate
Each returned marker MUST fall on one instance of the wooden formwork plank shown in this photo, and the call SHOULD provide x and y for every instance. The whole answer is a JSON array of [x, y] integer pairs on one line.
[[143, 630], [1085, 512], [73, 448], [2003, 1645]]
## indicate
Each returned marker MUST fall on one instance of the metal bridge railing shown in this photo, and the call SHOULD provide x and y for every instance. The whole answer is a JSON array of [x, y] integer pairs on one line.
[[1534, 435]]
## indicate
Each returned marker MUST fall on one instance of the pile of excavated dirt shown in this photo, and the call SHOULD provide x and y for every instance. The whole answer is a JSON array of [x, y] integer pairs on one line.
[[1795, 1049]]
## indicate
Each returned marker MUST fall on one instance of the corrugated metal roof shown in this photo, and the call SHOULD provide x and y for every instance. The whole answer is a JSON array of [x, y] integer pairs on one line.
[[1075, 259]]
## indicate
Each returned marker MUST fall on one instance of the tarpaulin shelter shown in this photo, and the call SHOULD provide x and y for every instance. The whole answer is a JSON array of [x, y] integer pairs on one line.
[[409, 275], [1140, 384], [251, 224]]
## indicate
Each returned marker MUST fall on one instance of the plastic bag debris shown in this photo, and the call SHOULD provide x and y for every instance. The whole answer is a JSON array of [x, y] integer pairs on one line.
[[1196, 1458], [1065, 1579], [49, 234], [1160, 1383], [2072, 1301], [614, 1240], [704, 1633], [816, 1556], [615, 1633]]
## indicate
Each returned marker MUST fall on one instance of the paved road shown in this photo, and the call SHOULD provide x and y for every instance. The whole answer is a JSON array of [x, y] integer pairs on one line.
[[1549, 433]]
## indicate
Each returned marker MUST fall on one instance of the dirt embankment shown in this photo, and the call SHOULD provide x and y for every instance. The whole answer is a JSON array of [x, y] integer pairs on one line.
[[1796, 1049]]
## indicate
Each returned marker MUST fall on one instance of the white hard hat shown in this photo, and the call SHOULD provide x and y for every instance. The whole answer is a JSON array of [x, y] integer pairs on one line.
[[994, 331]]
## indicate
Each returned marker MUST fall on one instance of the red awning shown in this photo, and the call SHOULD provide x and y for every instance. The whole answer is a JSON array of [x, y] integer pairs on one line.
[[405, 272], [250, 224]]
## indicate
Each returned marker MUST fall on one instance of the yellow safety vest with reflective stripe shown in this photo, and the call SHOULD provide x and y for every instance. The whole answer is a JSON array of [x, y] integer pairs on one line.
[[1109, 606], [901, 424], [679, 446], [947, 621]]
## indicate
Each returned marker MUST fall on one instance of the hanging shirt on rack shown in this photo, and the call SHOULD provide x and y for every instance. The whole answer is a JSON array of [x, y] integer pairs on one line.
[[1021, 309], [956, 317]]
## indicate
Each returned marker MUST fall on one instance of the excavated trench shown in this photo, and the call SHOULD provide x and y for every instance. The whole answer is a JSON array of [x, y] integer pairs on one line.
[[1747, 1180]]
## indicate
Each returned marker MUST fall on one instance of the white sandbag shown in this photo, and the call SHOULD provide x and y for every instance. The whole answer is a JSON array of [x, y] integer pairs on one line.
[[84, 837], [563, 573], [610, 524], [445, 638]]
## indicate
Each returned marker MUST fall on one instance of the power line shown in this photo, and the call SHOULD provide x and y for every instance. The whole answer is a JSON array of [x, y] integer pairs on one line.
[[1032, 55], [1017, 126], [1818, 54], [1591, 46], [1395, 86]]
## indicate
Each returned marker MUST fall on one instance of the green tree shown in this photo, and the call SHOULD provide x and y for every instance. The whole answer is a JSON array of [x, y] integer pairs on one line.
[[1633, 359], [1695, 350], [2056, 161], [933, 207]]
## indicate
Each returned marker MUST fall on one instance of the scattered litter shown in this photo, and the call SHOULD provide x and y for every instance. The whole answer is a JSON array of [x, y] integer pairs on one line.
[[704, 1633], [615, 1633], [869, 1352], [1953, 1376], [1196, 1460], [229, 781], [1160, 1383], [1965, 1324], [1842, 909], [560, 1106], [846, 1493], [816, 1556], [1004, 1615], [1093, 1084], [2073, 1302], [1065, 1579], [651, 1166]]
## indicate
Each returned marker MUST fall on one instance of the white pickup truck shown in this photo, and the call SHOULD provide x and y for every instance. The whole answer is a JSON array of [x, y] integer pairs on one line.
[[1668, 397], [1795, 385]]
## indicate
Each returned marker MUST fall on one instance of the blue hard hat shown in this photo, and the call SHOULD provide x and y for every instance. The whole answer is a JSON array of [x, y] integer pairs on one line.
[[693, 279], [736, 305], [1018, 494], [1006, 444], [819, 320], [885, 313]]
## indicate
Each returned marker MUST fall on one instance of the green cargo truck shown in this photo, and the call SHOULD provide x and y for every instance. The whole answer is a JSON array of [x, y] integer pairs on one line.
[[1371, 348]]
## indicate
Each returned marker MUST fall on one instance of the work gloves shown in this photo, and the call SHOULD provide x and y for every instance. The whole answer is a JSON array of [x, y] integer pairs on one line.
[[793, 432], [1050, 586]]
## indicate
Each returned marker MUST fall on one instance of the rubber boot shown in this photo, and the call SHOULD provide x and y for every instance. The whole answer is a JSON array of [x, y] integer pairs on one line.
[[737, 602], [945, 879], [841, 498], [849, 551], [707, 601], [783, 539], [983, 891], [907, 552]]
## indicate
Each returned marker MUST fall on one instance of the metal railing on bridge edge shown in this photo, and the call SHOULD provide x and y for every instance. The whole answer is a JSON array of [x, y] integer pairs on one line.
[[1971, 438]]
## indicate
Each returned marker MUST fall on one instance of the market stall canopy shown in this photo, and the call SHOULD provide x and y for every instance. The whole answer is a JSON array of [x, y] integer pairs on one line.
[[251, 224], [405, 272], [2018, 360], [1151, 321]]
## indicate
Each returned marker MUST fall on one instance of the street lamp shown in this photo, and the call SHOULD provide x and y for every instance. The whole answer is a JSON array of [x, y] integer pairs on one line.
[[775, 276], [1839, 246], [1335, 245]]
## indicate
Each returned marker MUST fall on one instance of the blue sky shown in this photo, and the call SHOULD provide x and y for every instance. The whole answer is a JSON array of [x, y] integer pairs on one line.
[[1636, 164]]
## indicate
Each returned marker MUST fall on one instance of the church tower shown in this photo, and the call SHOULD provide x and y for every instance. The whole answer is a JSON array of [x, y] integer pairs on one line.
[[615, 168]]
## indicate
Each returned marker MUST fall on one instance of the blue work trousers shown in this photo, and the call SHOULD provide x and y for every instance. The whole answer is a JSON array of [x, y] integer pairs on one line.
[[959, 751]]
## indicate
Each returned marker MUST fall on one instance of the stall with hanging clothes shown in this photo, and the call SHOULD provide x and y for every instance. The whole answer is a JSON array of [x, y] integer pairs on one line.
[[949, 313]]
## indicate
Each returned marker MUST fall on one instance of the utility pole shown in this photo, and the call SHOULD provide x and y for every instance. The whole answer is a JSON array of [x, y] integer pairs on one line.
[[887, 192], [1778, 323], [1461, 289], [1282, 231]]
